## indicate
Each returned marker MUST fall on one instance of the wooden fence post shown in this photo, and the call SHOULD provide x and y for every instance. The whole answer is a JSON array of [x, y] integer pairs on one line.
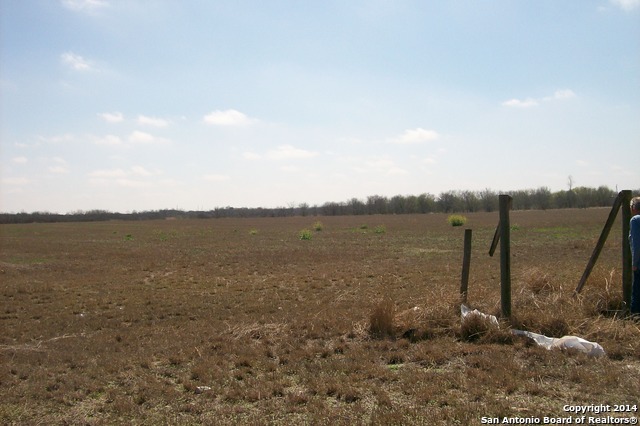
[[627, 274], [495, 241], [505, 255], [466, 263]]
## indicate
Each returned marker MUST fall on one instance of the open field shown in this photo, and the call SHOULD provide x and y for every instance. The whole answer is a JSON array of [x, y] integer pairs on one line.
[[239, 321]]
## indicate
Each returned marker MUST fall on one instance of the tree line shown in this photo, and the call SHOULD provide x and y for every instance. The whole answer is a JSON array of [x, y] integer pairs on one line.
[[446, 202]]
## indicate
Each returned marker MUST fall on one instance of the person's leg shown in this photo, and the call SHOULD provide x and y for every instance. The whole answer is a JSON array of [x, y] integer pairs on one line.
[[635, 293]]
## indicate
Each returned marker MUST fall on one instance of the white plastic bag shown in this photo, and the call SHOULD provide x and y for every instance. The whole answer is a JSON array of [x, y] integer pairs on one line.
[[465, 311], [565, 342]]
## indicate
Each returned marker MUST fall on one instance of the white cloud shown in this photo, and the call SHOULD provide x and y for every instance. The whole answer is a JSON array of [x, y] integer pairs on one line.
[[413, 136], [121, 177], [58, 170], [229, 117], [141, 171], [284, 152], [382, 166], [109, 140], [138, 137], [89, 6], [216, 178], [152, 121], [115, 173], [75, 62], [349, 140], [380, 163], [626, 5], [564, 94], [18, 181], [517, 103], [67, 137], [290, 169], [19, 160], [112, 117], [558, 95], [249, 155], [129, 183], [429, 160], [396, 171]]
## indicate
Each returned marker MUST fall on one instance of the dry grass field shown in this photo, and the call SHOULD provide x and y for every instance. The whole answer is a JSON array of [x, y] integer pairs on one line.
[[239, 321]]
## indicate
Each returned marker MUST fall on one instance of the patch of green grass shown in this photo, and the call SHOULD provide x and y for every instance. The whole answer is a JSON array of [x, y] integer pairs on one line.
[[380, 229], [253, 232], [164, 236], [560, 232], [317, 226]]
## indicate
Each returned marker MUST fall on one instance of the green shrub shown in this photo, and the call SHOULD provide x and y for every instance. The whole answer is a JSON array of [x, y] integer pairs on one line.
[[317, 226], [305, 234], [456, 220], [253, 232]]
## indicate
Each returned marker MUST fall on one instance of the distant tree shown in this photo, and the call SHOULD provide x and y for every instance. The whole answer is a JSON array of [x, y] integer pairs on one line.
[[377, 204], [542, 198], [397, 204], [488, 200], [562, 199], [356, 207], [449, 202], [426, 203], [470, 200], [303, 208], [522, 200]]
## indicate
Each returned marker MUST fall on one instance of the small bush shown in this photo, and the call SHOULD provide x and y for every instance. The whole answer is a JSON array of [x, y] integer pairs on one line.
[[253, 232], [380, 229], [456, 220], [305, 234], [317, 226]]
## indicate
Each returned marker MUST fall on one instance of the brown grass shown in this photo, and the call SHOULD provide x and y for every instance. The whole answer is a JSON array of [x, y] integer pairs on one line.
[[203, 322], [381, 321]]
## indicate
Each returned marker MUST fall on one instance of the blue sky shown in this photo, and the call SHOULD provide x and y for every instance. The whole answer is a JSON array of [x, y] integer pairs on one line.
[[137, 104]]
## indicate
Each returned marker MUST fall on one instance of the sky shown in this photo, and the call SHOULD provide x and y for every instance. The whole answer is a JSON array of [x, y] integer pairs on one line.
[[131, 105]]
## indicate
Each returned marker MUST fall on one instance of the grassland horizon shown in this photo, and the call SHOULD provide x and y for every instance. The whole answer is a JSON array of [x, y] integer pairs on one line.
[[240, 321]]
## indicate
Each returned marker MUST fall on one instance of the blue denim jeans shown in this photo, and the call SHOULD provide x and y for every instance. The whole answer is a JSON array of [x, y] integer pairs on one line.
[[635, 293]]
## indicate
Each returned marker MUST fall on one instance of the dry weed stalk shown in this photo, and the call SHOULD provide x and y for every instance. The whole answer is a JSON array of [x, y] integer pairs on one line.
[[381, 319]]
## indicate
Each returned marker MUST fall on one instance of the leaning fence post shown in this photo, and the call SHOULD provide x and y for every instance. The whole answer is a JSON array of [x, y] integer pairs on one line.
[[603, 238], [466, 262], [626, 249], [505, 256]]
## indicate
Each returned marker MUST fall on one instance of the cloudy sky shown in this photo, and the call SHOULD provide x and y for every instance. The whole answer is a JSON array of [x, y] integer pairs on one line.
[[149, 104]]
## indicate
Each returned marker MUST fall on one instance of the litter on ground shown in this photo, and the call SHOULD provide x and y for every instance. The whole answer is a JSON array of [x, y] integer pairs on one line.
[[565, 342]]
